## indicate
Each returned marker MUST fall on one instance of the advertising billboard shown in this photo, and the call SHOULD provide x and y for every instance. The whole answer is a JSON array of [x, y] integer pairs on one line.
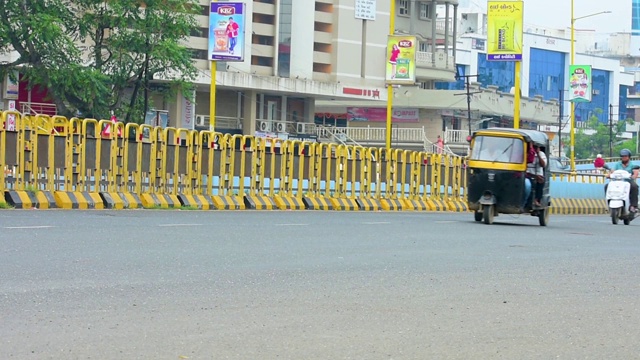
[[401, 60], [580, 83], [504, 30], [226, 31]]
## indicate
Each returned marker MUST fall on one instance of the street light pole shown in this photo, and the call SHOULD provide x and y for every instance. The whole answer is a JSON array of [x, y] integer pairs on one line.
[[573, 105], [610, 131], [572, 128]]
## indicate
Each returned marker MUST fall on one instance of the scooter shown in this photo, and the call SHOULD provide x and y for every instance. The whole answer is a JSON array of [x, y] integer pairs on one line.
[[618, 197]]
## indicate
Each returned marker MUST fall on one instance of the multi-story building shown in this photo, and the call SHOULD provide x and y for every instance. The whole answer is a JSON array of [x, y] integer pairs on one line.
[[298, 53]]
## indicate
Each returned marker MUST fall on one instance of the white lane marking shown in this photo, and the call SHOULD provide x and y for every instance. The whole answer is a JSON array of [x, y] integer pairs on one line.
[[29, 227], [376, 223], [176, 225], [291, 224]]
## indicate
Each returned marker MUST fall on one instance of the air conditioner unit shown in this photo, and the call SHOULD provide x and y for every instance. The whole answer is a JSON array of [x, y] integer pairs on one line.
[[265, 126], [281, 127], [200, 120]]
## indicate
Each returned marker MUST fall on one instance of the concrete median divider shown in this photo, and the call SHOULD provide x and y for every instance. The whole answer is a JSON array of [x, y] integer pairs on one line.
[[82, 200], [344, 204], [369, 204], [21, 199], [579, 206], [163, 201], [228, 202], [200, 202], [392, 204], [317, 203], [438, 204], [259, 202], [289, 203], [458, 205], [416, 205]]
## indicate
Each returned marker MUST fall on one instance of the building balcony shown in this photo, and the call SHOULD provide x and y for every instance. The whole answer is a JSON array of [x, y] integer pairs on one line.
[[441, 67]]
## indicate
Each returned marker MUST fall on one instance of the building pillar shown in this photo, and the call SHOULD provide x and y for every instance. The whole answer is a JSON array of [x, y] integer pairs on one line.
[[283, 108], [446, 29], [249, 110], [412, 17], [434, 5], [309, 110], [455, 33]]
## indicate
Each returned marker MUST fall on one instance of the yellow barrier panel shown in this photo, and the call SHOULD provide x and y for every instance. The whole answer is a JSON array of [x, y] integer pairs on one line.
[[4, 169], [241, 141], [147, 148], [60, 125], [132, 174]]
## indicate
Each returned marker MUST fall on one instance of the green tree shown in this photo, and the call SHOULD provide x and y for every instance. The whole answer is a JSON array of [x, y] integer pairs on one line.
[[98, 56], [594, 138]]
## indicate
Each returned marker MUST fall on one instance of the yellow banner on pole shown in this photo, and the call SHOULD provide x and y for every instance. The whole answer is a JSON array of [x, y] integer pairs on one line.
[[504, 30]]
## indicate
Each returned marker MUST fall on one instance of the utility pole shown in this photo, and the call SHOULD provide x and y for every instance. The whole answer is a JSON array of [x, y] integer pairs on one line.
[[468, 94], [561, 105], [610, 131]]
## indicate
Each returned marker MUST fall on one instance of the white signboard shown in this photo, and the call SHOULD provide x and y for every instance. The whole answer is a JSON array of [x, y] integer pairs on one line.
[[188, 113], [11, 118], [366, 9]]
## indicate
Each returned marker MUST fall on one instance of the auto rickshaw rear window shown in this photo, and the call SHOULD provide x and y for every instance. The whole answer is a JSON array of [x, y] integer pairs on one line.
[[498, 149]]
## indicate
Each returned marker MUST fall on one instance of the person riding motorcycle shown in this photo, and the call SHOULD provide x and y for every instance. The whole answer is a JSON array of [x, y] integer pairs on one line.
[[625, 164]]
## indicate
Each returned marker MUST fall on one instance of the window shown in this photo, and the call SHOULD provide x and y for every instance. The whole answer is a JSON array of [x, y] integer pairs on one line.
[[403, 8], [423, 46], [425, 11], [498, 149]]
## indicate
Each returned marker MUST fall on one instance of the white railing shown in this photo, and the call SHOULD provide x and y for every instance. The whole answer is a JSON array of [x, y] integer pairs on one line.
[[341, 137], [442, 60], [224, 122], [30, 108], [370, 134], [442, 23], [455, 136]]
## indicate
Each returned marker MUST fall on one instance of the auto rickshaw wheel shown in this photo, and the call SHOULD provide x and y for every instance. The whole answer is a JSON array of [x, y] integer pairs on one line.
[[487, 214], [543, 216], [477, 215], [615, 215]]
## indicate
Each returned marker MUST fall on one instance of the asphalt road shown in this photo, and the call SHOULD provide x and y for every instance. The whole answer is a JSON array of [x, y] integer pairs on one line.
[[315, 285]]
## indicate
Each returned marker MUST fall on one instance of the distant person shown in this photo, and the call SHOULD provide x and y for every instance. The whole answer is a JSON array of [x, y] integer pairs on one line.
[[535, 171], [439, 145], [598, 162]]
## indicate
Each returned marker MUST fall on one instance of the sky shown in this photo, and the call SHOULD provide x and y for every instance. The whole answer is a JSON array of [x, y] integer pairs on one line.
[[557, 14]]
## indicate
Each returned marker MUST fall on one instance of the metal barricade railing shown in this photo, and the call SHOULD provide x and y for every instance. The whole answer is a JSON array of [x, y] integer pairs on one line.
[[60, 154]]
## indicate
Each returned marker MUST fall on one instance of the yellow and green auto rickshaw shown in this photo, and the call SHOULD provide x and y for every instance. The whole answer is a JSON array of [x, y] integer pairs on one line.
[[497, 178]]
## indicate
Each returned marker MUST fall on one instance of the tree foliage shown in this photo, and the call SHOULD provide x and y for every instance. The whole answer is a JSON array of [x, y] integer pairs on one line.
[[594, 139], [99, 56]]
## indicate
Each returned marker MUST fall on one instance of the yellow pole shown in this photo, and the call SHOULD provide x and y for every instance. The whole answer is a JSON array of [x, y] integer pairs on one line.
[[392, 29], [516, 97], [573, 105], [212, 96]]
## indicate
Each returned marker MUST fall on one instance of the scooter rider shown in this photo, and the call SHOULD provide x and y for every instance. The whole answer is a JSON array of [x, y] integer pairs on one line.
[[625, 164]]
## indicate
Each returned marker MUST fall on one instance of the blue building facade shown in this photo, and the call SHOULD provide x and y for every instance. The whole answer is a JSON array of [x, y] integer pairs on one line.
[[599, 105], [459, 84], [496, 73], [546, 73]]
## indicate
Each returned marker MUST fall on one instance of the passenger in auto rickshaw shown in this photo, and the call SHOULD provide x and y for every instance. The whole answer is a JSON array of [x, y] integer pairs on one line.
[[536, 161]]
